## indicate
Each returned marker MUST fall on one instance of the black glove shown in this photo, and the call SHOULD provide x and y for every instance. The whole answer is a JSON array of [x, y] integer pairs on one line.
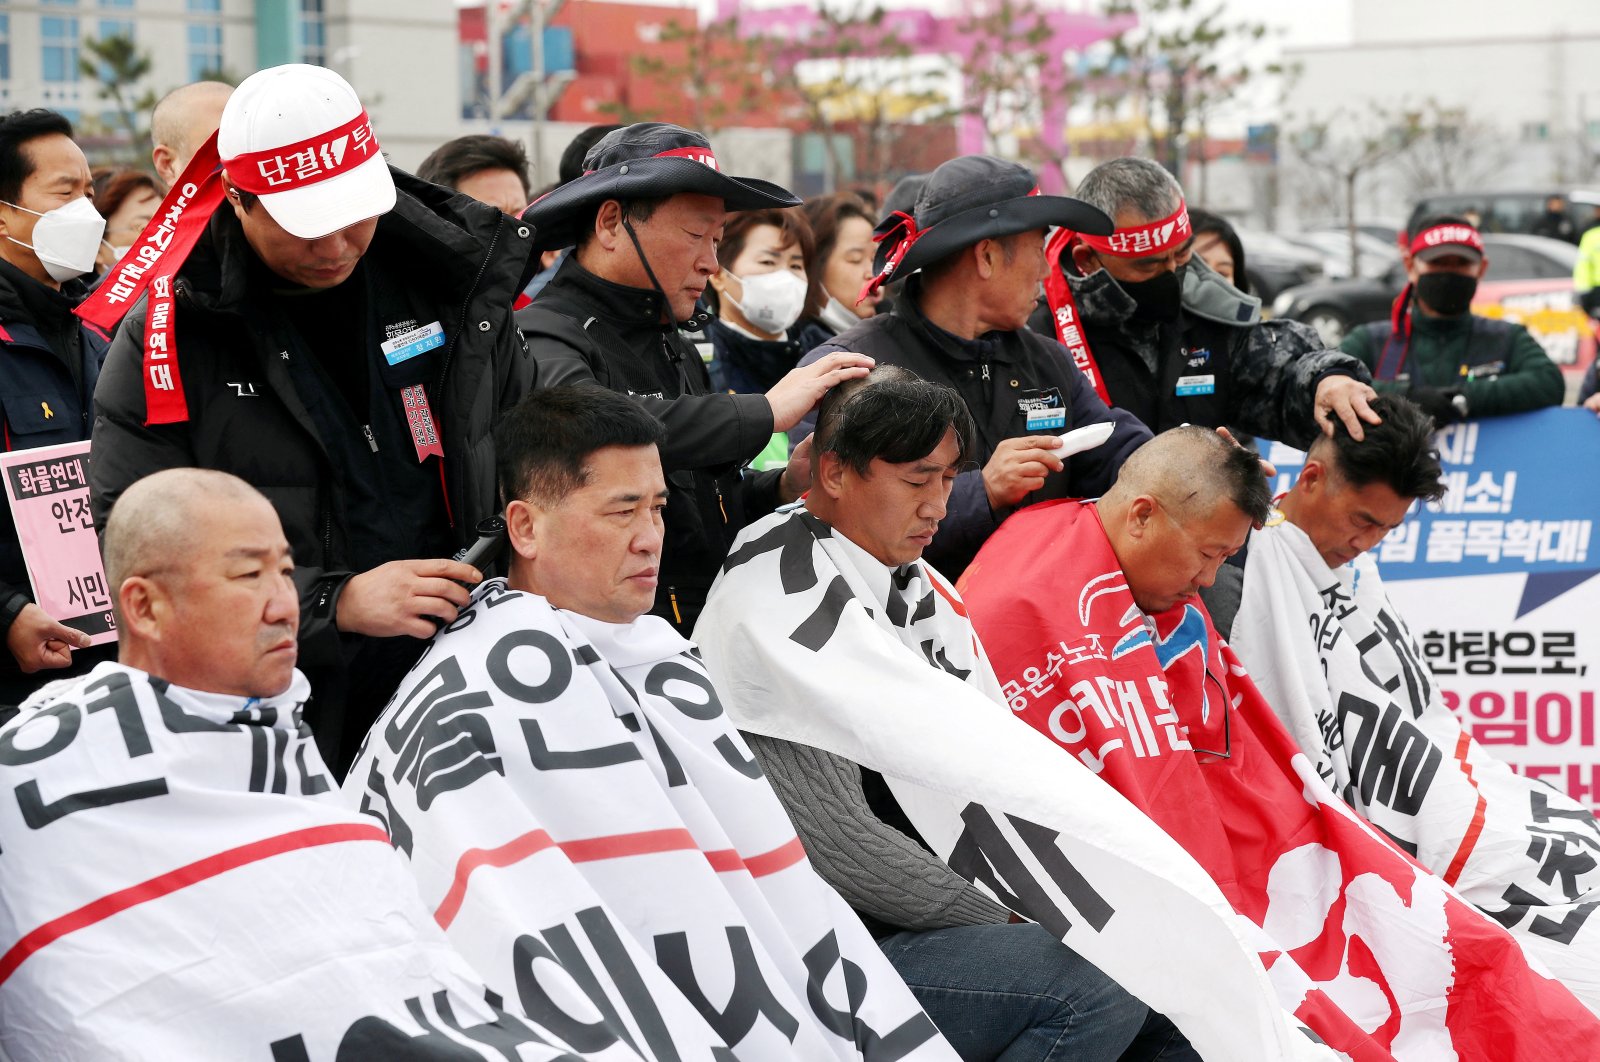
[[1590, 301], [1445, 405]]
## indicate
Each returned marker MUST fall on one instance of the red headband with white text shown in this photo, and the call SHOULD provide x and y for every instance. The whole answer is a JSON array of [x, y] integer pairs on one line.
[[1138, 241], [152, 263], [1449, 234]]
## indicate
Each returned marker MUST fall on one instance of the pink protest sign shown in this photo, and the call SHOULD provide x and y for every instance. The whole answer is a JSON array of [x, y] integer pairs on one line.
[[48, 490]]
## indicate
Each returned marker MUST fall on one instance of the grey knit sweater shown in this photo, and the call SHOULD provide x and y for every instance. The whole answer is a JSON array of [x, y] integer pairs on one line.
[[881, 872]]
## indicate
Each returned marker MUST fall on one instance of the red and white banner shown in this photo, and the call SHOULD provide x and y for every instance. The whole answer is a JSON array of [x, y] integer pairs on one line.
[[1378, 956], [178, 881], [815, 642], [568, 788], [1342, 670]]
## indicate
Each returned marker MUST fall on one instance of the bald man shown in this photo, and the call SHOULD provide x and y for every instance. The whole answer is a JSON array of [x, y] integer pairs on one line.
[[182, 121], [1181, 506], [208, 780], [191, 550]]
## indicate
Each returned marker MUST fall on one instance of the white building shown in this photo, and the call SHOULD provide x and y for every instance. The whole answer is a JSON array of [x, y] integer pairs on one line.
[[399, 54], [1525, 76]]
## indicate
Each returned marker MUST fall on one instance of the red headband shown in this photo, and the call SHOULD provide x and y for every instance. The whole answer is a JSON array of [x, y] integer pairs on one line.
[[156, 256], [312, 160], [1141, 240], [702, 155], [1448, 234]]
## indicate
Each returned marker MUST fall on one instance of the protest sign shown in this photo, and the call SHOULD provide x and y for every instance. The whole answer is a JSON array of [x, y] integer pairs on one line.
[[1496, 581], [48, 491]]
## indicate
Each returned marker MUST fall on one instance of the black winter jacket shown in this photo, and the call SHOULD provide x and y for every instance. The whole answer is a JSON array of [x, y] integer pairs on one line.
[[436, 256], [1218, 364], [582, 328], [45, 391], [1000, 375]]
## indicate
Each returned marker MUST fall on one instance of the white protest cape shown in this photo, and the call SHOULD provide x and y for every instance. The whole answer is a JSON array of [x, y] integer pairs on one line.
[[179, 881], [813, 641], [570, 787], [1341, 669]]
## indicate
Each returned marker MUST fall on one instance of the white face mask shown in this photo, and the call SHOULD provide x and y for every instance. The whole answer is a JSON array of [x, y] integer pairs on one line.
[[772, 301], [66, 239]]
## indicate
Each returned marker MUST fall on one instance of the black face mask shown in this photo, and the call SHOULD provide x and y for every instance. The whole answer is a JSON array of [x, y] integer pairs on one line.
[[1158, 299], [1447, 294]]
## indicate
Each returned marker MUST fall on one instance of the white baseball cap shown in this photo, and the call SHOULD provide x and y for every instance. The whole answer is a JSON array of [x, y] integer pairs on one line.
[[297, 137]]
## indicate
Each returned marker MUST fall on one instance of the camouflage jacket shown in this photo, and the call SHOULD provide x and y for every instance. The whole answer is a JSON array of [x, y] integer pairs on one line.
[[1217, 364]]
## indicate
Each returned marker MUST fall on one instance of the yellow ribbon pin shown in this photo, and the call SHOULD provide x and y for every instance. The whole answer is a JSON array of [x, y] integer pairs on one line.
[[46, 407]]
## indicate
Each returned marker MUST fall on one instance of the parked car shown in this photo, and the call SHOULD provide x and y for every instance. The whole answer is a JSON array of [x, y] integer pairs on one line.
[[1507, 211], [1272, 263], [1529, 280], [1373, 257]]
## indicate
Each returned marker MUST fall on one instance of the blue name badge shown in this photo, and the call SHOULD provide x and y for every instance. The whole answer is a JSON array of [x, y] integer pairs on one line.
[[1196, 385], [1047, 419], [408, 345]]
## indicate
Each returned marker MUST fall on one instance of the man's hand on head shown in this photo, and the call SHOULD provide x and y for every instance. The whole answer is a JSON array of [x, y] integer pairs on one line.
[[1018, 467], [1268, 469], [39, 643], [797, 393], [1348, 399], [796, 478], [404, 597]]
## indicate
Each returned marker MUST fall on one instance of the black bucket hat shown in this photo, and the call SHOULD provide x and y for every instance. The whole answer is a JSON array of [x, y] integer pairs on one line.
[[972, 198], [644, 161]]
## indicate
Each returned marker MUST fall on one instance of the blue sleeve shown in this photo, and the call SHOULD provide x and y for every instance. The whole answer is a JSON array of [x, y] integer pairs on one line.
[[1591, 382]]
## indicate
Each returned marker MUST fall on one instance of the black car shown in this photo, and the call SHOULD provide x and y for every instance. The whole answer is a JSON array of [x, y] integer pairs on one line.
[[1333, 307]]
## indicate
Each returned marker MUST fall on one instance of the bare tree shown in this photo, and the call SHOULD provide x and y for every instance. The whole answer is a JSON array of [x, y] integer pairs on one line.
[[1012, 79], [1452, 151], [853, 71], [1342, 149], [1181, 59], [707, 75]]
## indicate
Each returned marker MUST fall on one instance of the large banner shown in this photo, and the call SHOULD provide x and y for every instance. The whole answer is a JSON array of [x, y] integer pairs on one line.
[[569, 789], [1497, 581], [1376, 955], [178, 881], [48, 491]]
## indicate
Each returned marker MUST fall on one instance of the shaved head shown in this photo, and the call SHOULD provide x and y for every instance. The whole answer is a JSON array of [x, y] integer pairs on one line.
[[1183, 503], [155, 524], [1190, 469], [182, 122], [204, 583]]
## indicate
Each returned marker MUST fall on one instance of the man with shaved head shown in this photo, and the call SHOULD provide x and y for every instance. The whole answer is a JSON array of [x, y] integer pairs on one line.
[[1101, 598], [182, 782], [1090, 615], [182, 121], [201, 572], [1181, 506]]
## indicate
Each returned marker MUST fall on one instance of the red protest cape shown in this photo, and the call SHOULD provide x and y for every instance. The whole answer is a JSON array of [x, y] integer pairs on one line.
[[1368, 949]]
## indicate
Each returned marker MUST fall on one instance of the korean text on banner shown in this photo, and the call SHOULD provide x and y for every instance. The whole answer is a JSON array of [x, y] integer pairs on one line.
[[48, 491], [1497, 582]]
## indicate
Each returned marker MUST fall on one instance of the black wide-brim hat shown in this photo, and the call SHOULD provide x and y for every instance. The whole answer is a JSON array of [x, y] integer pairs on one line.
[[980, 197], [645, 161]]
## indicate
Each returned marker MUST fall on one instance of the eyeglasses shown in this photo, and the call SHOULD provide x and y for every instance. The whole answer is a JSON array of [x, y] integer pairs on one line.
[[1207, 756]]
